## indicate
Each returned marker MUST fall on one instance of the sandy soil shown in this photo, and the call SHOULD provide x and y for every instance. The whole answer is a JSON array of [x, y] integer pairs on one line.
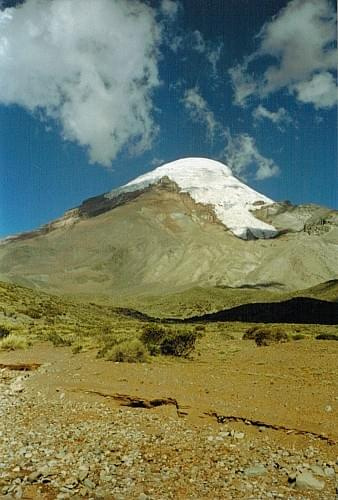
[[284, 395]]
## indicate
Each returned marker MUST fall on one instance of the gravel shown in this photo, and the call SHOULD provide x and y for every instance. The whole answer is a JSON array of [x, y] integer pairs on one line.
[[67, 448]]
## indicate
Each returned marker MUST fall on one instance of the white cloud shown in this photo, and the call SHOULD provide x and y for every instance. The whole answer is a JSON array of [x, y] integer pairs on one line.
[[243, 83], [300, 38], [199, 43], [175, 43], [211, 51], [245, 160], [90, 64], [240, 152], [199, 110], [169, 8], [281, 116], [320, 90], [214, 55]]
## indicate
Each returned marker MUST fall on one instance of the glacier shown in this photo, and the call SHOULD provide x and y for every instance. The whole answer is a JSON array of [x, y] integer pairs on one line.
[[212, 183]]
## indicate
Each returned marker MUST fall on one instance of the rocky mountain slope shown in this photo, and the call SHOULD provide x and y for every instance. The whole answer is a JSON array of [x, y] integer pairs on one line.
[[186, 223]]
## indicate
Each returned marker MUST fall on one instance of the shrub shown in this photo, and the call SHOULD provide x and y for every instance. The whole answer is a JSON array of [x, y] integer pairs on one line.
[[179, 343], [13, 342], [4, 331], [130, 351], [34, 313], [57, 340], [77, 348], [264, 337], [298, 336], [174, 342], [327, 336], [250, 334], [153, 334]]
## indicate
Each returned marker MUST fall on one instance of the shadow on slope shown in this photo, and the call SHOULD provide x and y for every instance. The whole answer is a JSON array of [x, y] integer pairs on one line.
[[296, 310]]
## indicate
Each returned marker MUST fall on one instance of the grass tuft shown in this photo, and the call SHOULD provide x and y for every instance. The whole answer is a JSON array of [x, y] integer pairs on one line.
[[13, 342], [130, 351]]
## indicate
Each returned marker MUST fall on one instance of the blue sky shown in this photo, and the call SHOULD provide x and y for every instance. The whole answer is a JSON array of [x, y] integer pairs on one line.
[[94, 95]]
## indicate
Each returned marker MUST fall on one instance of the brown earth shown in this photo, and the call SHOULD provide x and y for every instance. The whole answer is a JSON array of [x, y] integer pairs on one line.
[[281, 396]]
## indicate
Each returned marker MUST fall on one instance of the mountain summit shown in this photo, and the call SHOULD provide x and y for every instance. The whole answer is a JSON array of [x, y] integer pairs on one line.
[[187, 223], [211, 183]]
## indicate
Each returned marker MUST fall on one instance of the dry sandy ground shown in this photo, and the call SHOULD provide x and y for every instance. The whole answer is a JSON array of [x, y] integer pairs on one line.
[[279, 404]]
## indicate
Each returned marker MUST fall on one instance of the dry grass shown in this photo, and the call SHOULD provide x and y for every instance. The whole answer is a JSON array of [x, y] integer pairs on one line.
[[133, 351], [13, 342], [34, 317]]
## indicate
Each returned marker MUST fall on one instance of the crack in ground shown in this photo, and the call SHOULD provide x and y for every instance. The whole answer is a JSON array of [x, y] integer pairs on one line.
[[20, 367], [221, 419], [137, 402]]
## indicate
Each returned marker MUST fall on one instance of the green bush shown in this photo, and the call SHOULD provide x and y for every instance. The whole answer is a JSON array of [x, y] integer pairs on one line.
[[327, 336], [130, 351], [168, 341]]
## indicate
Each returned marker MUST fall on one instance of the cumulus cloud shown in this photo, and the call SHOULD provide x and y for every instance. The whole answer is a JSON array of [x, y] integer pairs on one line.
[[279, 117], [243, 157], [89, 64], [199, 110], [301, 41], [320, 90]]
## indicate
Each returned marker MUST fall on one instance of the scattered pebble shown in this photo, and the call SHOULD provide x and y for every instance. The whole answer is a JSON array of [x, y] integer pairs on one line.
[[63, 448]]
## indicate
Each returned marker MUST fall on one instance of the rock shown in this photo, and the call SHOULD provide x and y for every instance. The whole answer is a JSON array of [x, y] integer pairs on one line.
[[316, 469], [329, 472], [307, 480], [71, 483], [83, 473], [255, 470], [34, 476], [17, 385], [89, 484], [83, 492], [237, 435]]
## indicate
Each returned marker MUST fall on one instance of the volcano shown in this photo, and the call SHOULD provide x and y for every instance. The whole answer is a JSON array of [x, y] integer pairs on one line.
[[186, 223]]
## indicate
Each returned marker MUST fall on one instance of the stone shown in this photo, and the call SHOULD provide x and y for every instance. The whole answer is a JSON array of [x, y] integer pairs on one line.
[[316, 469], [89, 484], [255, 470], [17, 385], [329, 472], [83, 473], [238, 435], [34, 476], [306, 480]]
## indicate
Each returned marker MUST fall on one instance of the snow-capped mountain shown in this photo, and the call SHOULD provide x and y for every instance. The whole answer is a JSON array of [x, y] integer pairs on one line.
[[165, 232], [211, 183]]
